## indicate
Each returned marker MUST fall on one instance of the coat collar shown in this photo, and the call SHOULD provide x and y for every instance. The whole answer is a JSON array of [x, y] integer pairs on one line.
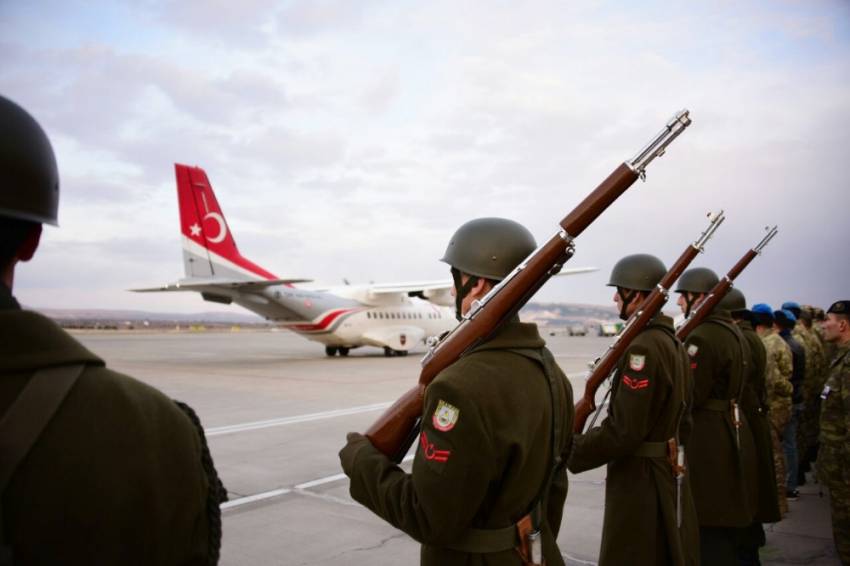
[[661, 320], [29, 340], [513, 334]]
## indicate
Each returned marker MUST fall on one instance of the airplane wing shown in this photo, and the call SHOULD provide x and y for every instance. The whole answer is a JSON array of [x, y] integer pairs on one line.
[[199, 284], [438, 291], [446, 284]]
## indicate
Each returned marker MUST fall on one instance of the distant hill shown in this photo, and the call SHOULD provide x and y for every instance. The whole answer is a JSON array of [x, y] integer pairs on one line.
[[567, 314]]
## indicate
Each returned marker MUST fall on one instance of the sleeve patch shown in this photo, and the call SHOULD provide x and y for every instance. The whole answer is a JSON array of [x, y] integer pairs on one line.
[[430, 451], [637, 362], [445, 416], [635, 384]]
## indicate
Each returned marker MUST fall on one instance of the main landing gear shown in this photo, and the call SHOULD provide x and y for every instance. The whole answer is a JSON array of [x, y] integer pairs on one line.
[[389, 352], [331, 351]]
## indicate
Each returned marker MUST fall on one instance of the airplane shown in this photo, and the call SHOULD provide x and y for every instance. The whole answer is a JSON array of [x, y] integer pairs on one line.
[[393, 316]]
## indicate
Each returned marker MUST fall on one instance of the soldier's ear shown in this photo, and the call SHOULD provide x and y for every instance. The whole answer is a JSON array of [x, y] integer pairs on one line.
[[30, 244]]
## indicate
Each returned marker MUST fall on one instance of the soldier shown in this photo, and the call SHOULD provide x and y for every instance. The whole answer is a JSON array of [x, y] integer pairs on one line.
[[649, 398], [784, 321], [755, 408], [807, 426], [496, 431], [812, 387], [719, 444], [834, 455], [97, 467], [778, 368]]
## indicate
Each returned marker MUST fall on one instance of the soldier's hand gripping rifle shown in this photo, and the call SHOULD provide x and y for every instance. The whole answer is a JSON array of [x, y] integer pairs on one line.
[[645, 312], [719, 291], [397, 428]]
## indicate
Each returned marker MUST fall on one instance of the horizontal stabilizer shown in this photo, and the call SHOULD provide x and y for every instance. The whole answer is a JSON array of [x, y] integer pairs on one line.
[[198, 284]]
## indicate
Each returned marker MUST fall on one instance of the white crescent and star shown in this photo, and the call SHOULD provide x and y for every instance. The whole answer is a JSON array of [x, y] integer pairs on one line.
[[195, 228], [222, 228]]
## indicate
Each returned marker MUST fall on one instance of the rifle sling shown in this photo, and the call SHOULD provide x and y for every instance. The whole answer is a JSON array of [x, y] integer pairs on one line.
[[25, 420]]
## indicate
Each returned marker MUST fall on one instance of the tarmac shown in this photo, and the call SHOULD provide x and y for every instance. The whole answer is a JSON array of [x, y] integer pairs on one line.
[[276, 411]]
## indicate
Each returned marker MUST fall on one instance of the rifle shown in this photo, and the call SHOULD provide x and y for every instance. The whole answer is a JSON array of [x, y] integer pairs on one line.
[[647, 310], [704, 308], [398, 427]]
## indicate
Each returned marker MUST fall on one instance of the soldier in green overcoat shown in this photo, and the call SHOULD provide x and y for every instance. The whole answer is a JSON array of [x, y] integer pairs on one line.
[[644, 503], [721, 452], [755, 408], [496, 431], [97, 468]]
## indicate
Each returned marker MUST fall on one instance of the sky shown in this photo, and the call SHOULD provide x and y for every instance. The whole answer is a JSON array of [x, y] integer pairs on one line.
[[350, 139]]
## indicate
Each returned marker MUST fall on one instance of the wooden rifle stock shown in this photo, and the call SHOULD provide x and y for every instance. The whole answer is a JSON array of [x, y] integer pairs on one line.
[[396, 428], [719, 291], [636, 323]]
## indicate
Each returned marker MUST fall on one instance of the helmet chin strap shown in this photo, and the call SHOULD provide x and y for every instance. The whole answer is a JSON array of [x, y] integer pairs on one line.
[[626, 297], [461, 290], [690, 299]]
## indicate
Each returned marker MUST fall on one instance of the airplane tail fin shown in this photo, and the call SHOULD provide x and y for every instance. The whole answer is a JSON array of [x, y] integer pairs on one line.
[[209, 250]]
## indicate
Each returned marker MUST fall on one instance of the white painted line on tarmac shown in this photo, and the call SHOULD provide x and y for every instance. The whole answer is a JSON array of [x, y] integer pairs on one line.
[[255, 497], [219, 430], [577, 560], [301, 487]]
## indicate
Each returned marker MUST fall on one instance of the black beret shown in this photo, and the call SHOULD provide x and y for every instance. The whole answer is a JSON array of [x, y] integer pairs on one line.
[[840, 307]]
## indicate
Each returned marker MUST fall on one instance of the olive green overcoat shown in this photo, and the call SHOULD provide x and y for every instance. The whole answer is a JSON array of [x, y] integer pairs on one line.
[[116, 476], [755, 407], [649, 395], [483, 453], [720, 471]]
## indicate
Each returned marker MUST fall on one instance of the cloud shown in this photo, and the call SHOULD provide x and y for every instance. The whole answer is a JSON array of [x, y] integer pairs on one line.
[[351, 139]]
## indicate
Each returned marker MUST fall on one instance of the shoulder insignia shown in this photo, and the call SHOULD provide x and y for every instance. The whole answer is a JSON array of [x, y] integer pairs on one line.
[[445, 416], [692, 350], [637, 361], [430, 451], [633, 383]]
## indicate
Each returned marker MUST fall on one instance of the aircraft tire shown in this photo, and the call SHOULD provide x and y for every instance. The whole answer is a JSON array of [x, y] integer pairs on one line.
[[388, 352], [330, 351], [343, 351]]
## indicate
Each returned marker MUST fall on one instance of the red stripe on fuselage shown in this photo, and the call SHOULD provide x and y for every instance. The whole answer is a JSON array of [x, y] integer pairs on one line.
[[322, 324]]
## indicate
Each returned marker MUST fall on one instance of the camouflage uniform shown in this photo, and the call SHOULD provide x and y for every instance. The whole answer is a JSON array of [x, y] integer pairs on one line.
[[834, 455], [807, 430], [779, 389]]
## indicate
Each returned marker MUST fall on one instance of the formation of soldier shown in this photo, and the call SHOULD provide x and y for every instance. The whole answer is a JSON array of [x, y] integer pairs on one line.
[[706, 437]]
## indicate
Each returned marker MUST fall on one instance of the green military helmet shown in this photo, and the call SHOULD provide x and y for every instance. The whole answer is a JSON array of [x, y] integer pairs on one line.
[[640, 272], [697, 280], [489, 247], [29, 179], [733, 301]]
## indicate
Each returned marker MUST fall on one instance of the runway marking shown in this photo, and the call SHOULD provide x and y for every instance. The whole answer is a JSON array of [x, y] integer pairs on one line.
[[301, 488], [229, 429], [577, 560], [255, 497]]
